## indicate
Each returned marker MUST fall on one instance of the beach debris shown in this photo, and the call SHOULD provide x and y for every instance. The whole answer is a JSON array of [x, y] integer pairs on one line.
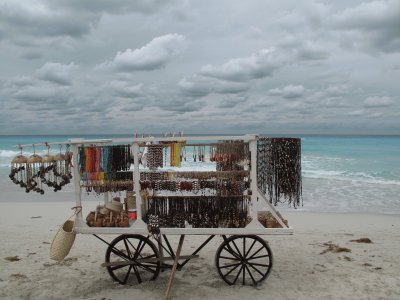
[[320, 268], [19, 276], [367, 265], [68, 261], [12, 258], [36, 217], [334, 248], [348, 258], [362, 240], [47, 243], [378, 268]]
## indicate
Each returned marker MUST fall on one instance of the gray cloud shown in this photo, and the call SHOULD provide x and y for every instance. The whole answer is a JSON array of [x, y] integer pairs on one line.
[[179, 105], [125, 89], [374, 25], [45, 21], [42, 96], [232, 101], [154, 55], [19, 19], [200, 86], [31, 55], [277, 66], [378, 101], [56, 73], [289, 91], [114, 7], [233, 76], [262, 64]]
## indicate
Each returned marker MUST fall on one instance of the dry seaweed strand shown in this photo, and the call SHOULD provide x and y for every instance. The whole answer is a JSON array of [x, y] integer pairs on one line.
[[362, 240], [334, 248], [279, 169]]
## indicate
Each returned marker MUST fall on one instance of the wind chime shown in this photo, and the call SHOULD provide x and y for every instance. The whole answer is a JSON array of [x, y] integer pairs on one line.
[[58, 171], [46, 175], [18, 170], [53, 171], [34, 165]]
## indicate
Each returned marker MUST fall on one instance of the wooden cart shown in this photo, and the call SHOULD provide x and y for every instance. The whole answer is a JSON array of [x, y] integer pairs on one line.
[[136, 255]]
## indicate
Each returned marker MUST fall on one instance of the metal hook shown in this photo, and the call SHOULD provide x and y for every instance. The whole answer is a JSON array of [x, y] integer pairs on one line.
[[48, 147]]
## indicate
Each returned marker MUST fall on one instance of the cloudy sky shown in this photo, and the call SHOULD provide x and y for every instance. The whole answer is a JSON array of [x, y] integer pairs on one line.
[[123, 66]]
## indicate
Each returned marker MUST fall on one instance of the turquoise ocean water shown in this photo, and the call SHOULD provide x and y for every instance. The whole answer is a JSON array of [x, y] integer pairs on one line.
[[340, 173]]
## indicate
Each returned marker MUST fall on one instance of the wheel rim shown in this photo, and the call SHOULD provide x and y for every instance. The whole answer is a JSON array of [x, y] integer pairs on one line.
[[244, 259], [137, 249]]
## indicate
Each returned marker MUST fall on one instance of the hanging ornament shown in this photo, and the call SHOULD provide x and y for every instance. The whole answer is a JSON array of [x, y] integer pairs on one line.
[[34, 165], [60, 177], [68, 164], [46, 172], [18, 170]]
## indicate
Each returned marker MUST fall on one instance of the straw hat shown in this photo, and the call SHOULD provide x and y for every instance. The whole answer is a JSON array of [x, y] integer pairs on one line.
[[114, 206]]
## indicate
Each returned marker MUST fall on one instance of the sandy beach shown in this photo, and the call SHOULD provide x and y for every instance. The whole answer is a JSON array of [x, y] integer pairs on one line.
[[306, 265]]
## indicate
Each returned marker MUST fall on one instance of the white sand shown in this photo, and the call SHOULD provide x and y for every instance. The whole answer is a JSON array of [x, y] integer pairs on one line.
[[369, 271]]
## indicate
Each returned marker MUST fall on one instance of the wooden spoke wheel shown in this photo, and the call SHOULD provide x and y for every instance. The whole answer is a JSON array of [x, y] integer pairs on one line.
[[245, 259], [132, 259]]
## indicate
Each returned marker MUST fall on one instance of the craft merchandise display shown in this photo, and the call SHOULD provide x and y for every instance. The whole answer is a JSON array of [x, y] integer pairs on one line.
[[63, 240], [197, 212], [212, 199], [269, 221], [231, 155], [279, 169], [153, 187], [112, 214], [35, 171], [100, 167]]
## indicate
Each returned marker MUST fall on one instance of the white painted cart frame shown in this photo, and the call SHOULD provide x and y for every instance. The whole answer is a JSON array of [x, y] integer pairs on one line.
[[140, 227]]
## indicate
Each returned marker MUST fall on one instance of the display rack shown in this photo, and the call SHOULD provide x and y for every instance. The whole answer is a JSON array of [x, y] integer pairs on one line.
[[140, 227], [133, 258]]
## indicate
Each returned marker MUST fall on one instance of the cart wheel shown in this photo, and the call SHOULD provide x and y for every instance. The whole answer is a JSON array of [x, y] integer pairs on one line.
[[246, 258], [135, 259]]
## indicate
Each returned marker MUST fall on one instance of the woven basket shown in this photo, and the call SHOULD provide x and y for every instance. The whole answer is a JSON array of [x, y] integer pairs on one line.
[[63, 241]]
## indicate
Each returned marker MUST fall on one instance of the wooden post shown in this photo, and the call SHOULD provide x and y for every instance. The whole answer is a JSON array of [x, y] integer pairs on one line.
[[172, 275]]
